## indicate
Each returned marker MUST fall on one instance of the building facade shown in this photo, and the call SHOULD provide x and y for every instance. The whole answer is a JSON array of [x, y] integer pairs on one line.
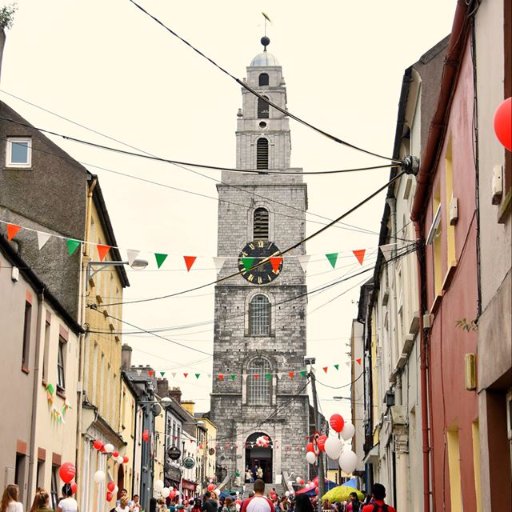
[[260, 325]]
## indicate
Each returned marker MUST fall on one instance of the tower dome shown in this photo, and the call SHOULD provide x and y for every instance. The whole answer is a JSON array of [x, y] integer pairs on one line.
[[264, 58]]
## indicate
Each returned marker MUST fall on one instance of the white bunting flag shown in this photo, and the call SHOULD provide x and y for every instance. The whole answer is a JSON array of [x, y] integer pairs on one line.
[[387, 250], [218, 262], [173, 374], [42, 238], [132, 255], [304, 260]]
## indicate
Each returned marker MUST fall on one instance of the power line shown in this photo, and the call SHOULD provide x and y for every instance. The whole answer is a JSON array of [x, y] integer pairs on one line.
[[257, 94]]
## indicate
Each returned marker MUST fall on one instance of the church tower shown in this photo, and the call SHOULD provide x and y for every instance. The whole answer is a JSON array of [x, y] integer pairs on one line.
[[260, 314]]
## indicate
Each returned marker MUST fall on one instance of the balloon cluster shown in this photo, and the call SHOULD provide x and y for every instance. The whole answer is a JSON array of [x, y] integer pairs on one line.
[[108, 449], [160, 491], [333, 446], [67, 472], [263, 441]]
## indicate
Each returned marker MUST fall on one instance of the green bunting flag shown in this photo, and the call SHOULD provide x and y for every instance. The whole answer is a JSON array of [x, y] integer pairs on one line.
[[248, 263], [160, 258], [73, 245], [197, 375], [232, 376], [332, 257], [162, 374], [268, 376], [303, 373], [337, 366]]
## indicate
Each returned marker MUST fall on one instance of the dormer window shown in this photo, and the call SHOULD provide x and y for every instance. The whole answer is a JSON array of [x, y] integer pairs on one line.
[[262, 154], [19, 152], [263, 108], [263, 79]]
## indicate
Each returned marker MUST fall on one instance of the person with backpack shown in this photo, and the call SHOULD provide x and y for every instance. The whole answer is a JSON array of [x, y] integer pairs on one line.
[[354, 505], [378, 505]]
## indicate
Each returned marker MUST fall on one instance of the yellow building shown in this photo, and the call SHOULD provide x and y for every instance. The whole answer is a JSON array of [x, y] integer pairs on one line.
[[100, 417]]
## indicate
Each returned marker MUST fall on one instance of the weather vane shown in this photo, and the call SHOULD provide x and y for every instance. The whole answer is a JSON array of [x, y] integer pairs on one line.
[[265, 41]]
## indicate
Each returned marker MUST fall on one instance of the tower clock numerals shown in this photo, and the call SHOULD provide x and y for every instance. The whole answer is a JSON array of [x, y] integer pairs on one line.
[[259, 274]]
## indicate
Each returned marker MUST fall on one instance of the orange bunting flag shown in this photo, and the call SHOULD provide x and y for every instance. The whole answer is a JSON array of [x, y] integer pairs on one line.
[[189, 261], [291, 374], [256, 376], [220, 376], [103, 250], [325, 368], [185, 375], [359, 254], [276, 263], [12, 231], [151, 373], [358, 361]]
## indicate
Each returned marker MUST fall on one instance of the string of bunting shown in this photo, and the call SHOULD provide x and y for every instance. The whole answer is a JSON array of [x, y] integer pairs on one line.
[[72, 245]]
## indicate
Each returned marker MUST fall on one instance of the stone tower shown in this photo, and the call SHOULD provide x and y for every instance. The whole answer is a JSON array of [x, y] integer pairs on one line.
[[260, 324]]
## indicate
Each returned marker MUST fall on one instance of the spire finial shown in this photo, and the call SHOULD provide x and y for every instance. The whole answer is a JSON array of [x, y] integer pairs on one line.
[[265, 41]]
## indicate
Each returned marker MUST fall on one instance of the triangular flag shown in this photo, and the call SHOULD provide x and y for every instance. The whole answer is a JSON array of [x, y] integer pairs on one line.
[[276, 262], [73, 245], [358, 361], [197, 375], [12, 230], [42, 238], [131, 255], [160, 258], [138, 372], [337, 366], [256, 376], [359, 254], [232, 376], [332, 257], [185, 374], [386, 250], [102, 250], [303, 373], [248, 263], [279, 375], [291, 374], [151, 373], [173, 374], [218, 261], [189, 261], [268, 376], [325, 368], [220, 376], [304, 260], [162, 374]]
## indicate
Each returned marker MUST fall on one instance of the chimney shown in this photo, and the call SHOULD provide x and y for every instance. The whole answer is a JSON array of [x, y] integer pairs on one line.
[[176, 394], [126, 357], [162, 387], [188, 405]]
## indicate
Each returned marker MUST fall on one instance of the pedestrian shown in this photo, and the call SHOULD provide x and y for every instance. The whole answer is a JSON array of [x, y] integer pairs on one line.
[[354, 505], [123, 505], [303, 503], [209, 504], [197, 505], [378, 504], [41, 502], [259, 502], [10, 501], [67, 503], [135, 504], [229, 505]]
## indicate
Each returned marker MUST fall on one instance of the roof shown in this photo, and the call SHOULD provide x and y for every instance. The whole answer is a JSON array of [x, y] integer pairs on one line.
[[264, 59]]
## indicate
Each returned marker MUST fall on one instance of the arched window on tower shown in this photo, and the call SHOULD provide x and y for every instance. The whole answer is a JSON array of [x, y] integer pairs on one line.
[[259, 385], [263, 108], [260, 225], [262, 154], [263, 79], [259, 316]]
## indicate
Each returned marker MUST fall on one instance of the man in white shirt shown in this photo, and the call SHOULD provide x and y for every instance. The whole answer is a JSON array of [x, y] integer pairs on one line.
[[258, 503]]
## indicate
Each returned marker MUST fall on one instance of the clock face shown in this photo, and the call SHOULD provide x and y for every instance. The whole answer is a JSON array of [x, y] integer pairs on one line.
[[252, 254]]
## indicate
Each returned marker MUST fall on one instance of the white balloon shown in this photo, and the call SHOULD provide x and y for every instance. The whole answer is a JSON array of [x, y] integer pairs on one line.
[[311, 457], [171, 488], [217, 492], [115, 491], [99, 476], [348, 431], [165, 492], [109, 448], [333, 447], [120, 459], [158, 485], [287, 493], [298, 479], [348, 461]]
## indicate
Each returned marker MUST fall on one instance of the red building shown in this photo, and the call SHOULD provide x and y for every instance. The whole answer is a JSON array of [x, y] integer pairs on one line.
[[445, 215]]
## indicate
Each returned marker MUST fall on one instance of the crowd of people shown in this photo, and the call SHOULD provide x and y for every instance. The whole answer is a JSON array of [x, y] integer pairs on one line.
[[256, 502]]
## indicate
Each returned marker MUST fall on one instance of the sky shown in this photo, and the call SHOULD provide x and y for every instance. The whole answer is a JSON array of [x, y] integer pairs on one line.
[[108, 67]]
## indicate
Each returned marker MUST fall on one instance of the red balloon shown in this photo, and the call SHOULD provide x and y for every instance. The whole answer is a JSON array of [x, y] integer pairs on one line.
[[74, 488], [211, 487], [301, 482], [316, 490], [111, 486], [321, 443], [309, 447], [337, 422], [67, 472], [115, 454], [98, 445], [125, 459], [145, 435], [109, 496], [503, 123]]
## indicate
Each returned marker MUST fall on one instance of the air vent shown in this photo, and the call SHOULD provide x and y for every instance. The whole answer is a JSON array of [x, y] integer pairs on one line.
[[260, 224], [262, 154]]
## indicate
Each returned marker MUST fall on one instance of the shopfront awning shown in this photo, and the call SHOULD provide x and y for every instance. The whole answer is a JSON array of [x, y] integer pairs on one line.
[[372, 456]]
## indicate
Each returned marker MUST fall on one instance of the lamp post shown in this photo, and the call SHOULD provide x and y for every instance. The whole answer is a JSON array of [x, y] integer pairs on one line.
[[136, 264]]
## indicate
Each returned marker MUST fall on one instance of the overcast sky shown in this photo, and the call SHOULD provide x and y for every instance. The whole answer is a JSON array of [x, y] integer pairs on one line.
[[107, 66]]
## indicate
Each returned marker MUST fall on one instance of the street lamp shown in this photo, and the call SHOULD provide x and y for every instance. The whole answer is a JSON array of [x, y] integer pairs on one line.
[[136, 264]]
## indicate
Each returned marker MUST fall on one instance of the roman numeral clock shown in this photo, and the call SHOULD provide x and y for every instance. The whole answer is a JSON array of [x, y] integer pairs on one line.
[[260, 321]]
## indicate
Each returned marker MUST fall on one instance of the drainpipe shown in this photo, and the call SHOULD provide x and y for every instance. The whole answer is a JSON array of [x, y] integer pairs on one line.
[[32, 452]]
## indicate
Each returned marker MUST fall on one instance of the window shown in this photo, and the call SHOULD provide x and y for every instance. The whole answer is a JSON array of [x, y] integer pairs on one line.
[[263, 108], [54, 493], [20, 473], [262, 154], [46, 347], [454, 469], [263, 79], [260, 226], [26, 336], [19, 152], [259, 386], [61, 360], [450, 229], [259, 316]]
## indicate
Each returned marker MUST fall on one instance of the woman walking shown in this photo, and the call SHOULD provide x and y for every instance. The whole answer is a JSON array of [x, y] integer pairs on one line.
[[41, 502], [10, 501]]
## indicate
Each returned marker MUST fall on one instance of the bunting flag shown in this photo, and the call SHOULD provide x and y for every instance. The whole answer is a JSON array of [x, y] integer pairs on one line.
[[73, 245], [268, 376], [174, 375], [337, 366], [232, 376], [275, 262], [291, 375], [304, 260], [333, 257], [50, 390], [220, 376], [42, 238], [151, 373], [197, 375], [12, 231], [387, 250], [131, 255], [103, 250], [162, 374], [325, 368], [358, 361], [248, 263], [303, 373], [189, 261], [139, 372], [256, 375], [218, 261], [359, 254], [160, 258], [185, 374]]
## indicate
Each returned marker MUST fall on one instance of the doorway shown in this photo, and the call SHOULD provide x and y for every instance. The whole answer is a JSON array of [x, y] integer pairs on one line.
[[259, 457]]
